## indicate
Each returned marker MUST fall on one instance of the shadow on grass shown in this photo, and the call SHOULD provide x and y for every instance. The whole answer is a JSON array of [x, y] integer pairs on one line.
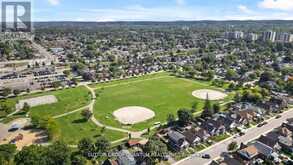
[[79, 121]]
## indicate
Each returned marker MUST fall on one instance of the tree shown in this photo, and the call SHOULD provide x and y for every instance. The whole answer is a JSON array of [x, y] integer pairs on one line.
[[266, 76], [184, 116], [5, 108], [194, 106], [78, 160], [156, 149], [237, 97], [16, 92], [232, 146], [102, 144], [86, 147], [7, 152], [56, 84], [31, 155], [289, 87], [208, 109], [26, 107], [171, 119], [53, 131], [87, 114], [49, 124], [6, 92], [231, 74], [210, 75], [216, 108], [57, 153]]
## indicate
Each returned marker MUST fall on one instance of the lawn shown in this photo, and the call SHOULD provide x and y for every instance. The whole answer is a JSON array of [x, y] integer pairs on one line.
[[220, 137], [161, 93], [68, 100], [130, 80], [74, 128]]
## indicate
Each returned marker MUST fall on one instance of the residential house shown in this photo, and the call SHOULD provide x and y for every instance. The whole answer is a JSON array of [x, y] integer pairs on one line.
[[226, 120], [284, 131], [277, 103], [270, 140], [177, 141], [213, 127], [245, 117], [125, 158], [255, 151], [110, 162], [248, 153], [286, 143], [202, 134], [289, 124], [192, 137]]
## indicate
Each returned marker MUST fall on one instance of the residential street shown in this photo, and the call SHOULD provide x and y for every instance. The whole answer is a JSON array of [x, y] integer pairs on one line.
[[216, 150]]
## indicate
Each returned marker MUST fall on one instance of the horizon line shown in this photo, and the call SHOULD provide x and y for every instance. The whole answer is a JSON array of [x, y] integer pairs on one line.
[[211, 20]]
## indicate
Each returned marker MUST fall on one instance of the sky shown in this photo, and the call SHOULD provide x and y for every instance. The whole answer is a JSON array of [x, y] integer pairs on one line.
[[161, 10]]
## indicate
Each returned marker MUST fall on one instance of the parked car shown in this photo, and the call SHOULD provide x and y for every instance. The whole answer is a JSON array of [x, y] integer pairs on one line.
[[278, 116], [14, 127], [241, 133], [262, 124], [206, 156]]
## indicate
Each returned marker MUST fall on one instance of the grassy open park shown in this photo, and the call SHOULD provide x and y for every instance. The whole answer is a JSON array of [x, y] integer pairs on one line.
[[68, 100], [73, 128], [162, 93]]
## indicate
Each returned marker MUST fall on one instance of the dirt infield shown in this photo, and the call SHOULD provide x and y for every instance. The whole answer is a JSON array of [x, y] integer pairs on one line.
[[133, 115], [212, 94], [36, 101]]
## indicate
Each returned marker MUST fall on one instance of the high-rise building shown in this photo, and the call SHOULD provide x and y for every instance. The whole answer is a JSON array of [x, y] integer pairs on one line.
[[284, 37], [251, 37], [234, 35], [269, 36]]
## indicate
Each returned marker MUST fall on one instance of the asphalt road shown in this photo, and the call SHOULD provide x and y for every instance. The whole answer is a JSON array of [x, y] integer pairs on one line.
[[253, 133]]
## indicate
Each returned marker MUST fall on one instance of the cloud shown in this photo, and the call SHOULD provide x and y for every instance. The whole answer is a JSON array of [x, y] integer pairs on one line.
[[244, 9], [276, 4], [54, 2], [180, 2]]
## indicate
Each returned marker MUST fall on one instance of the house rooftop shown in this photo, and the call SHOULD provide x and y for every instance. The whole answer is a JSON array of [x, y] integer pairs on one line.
[[268, 140], [175, 136], [288, 141], [126, 158], [249, 152]]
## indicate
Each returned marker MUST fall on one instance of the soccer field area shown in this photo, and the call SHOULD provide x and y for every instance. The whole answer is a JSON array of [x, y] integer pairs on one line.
[[161, 93]]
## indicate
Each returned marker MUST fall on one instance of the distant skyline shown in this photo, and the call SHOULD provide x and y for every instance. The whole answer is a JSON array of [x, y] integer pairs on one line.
[[161, 10]]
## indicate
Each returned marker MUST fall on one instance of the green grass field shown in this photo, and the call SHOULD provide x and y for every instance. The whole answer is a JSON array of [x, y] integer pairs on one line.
[[68, 100], [161, 93], [74, 128]]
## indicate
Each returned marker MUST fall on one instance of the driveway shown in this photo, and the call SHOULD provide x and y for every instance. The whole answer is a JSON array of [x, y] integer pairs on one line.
[[253, 133]]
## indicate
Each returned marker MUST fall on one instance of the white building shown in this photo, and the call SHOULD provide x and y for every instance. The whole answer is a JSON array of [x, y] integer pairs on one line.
[[251, 37], [234, 35], [269, 36], [284, 37]]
